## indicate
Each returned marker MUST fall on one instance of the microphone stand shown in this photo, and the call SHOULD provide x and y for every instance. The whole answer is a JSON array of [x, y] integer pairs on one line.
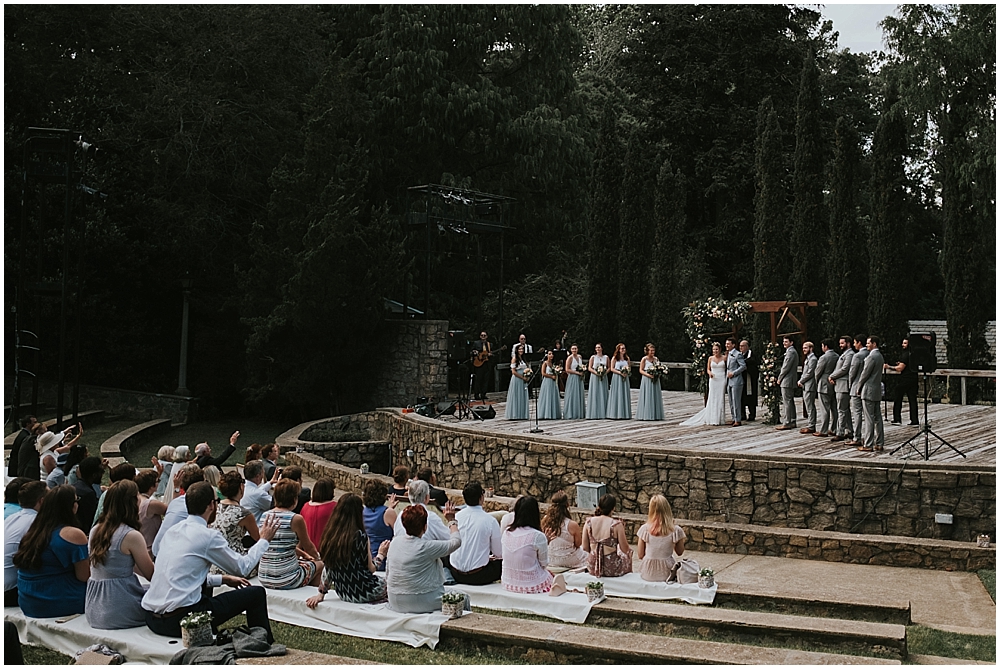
[[536, 429]]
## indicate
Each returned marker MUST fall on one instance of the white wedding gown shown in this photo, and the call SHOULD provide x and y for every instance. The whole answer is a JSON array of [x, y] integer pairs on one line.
[[714, 412]]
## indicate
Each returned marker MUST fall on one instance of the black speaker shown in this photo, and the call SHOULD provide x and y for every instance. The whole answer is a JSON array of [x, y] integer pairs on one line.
[[458, 347], [446, 408], [486, 412], [923, 352]]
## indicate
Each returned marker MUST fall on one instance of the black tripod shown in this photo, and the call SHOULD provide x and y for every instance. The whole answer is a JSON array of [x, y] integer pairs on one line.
[[533, 394], [926, 431]]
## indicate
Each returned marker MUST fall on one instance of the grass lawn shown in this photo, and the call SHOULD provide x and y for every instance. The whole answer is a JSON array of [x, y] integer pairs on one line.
[[922, 640], [989, 579], [216, 433]]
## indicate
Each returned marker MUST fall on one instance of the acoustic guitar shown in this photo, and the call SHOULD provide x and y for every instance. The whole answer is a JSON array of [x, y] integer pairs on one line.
[[482, 357]]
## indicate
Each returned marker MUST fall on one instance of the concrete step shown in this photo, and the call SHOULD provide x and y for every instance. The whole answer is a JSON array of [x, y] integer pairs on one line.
[[892, 612], [665, 618], [551, 643]]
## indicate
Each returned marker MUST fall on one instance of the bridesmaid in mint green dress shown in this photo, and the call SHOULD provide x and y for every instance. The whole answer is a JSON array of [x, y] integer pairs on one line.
[[597, 396], [619, 399], [517, 392], [573, 406], [650, 400], [548, 396]]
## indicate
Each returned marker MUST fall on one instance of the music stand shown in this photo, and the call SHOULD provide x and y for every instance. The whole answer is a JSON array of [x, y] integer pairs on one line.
[[926, 431]]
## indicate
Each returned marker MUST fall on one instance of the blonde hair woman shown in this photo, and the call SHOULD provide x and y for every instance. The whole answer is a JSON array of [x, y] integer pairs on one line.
[[659, 540]]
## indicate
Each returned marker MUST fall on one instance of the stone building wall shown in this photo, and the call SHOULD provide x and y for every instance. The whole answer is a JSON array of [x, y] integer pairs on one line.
[[416, 363], [880, 497]]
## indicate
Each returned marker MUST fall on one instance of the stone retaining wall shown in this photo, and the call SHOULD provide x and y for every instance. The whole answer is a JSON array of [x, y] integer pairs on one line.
[[415, 363]]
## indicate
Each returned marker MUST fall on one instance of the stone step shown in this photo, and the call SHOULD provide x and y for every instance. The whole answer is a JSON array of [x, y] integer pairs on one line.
[[661, 617], [888, 611], [551, 643]]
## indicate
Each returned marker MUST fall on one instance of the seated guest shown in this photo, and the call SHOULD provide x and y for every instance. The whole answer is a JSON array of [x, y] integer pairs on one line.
[[29, 498], [120, 472], [659, 539], [280, 566], [418, 495], [176, 587], [257, 494], [269, 458], [211, 475], [294, 473], [438, 497], [188, 475], [150, 510], [347, 556], [376, 526], [163, 463], [52, 562], [526, 551], [182, 456], [232, 520], [478, 560], [253, 453], [604, 540], [10, 504], [66, 467], [400, 477], [317, 510], [50, 445], [203, 453], [564, 535], [91, 473], [414, 581], [117, 552], [28, 463]]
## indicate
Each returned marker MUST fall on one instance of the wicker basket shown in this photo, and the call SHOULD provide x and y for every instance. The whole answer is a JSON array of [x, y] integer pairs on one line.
[[197, 636]]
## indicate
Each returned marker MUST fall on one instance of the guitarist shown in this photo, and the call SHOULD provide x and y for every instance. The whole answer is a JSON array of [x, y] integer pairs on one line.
[[482, 351]]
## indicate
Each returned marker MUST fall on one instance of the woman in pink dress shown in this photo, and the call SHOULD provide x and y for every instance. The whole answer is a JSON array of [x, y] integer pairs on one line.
[[659, 540], [604, 539], [525, 551]]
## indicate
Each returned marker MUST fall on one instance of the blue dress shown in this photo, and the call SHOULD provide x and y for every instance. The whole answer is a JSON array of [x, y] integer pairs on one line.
[[650, 400], [597, 396], [573, 405], [517, 396], [53, 590], [548, 398], [619, 401], [377, 530]]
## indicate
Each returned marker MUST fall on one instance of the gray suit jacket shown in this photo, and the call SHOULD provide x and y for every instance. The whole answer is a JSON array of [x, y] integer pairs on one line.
[[736, 365], [841, 372], [824, 368], [786, 378], [856, 366], [808, 378], [871, 376]]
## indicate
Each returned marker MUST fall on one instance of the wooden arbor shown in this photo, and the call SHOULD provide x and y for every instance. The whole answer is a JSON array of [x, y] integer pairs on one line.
[[784, 313]]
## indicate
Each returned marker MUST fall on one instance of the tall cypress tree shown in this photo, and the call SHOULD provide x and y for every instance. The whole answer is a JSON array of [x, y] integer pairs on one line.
[[667, 326], [888, 298], [634, 251], [808, 224], [848, 248], [770, 258], [604, 231]]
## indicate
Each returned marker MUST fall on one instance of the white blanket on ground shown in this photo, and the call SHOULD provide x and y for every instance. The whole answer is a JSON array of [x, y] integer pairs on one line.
[[138, 644], [369, 621], [632, 585], [570, 607]]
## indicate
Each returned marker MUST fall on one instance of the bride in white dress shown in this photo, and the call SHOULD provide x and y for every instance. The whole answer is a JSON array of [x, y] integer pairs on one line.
[[714, 412]]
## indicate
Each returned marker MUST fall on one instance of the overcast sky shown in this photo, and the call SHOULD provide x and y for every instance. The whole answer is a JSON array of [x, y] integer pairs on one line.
[[858, 25]]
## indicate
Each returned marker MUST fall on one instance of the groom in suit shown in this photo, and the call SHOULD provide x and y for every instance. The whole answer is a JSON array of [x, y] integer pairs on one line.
[[735, 367], [870, 391], [788, 381]]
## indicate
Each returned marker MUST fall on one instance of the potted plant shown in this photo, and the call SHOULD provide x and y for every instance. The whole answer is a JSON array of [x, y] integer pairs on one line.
[[706, 578], [196, 629], [453, 604], [595, 591]]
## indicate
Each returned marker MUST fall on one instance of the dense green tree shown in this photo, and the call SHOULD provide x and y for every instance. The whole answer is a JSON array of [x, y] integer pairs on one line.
[[635, 243], [848, 245], [770, 230], [889, 296], [665, 295], [604, 230]]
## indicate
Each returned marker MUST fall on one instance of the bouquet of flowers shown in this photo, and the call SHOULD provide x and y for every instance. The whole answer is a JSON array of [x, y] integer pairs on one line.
[[659, 370], [558, 369], [769, 390], [601, 370], [627, 371], [527, 374]]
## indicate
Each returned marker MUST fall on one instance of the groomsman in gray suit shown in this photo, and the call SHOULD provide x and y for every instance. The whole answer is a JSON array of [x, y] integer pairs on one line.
[[786, 380], [842, 387], [807, 382], [827, 399], [735, 366], [871, 392], [857, 406]]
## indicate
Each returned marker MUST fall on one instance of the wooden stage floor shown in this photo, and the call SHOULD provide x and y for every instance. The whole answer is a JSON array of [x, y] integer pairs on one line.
[[971, 429]]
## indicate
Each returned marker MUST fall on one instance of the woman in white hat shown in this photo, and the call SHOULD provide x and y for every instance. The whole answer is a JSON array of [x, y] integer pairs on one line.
[[49, 444]]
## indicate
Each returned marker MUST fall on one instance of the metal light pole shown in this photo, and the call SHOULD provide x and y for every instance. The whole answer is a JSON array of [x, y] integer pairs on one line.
[[182, 388]]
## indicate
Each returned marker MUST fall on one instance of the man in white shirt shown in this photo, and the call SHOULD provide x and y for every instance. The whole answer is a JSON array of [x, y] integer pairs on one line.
[[177, 509], [29, 497], [257, 494], [182, 572], [523, 341], [419, 493], [478, 560]]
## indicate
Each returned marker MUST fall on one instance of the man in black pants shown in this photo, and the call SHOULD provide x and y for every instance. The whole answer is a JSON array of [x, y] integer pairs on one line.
[[181, 583], [481, 350], [906, 385], [750, 380]]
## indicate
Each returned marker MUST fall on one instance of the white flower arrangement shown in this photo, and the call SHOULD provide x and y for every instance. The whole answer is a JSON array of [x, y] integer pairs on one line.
[[698, 316]]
